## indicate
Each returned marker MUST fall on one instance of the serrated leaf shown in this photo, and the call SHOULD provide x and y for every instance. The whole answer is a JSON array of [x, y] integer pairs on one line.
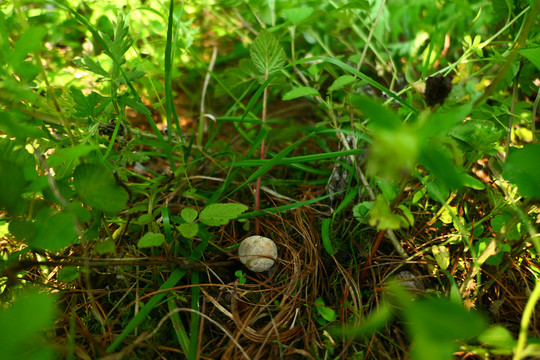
[[67, 274], [189, 230], [300, 92], [267, 54], [341, 82], [297, 15], [189, 214], [151, 239], [442, 256], [97, 187], [134, 103], [89, 64], [220, 214]]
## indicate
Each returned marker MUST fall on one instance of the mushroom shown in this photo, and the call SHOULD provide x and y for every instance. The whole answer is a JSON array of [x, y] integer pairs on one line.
[[258, 253]]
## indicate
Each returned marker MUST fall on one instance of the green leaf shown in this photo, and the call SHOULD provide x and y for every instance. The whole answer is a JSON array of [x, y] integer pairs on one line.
[[361, 210], [94, 66], [533, 55], [189, 214], [500, 223], [98, 188], [381, 216], [53, 232], [522, 168], [68, 274], [341, 82], [297, 15], [498, 337], [300, 92], [325, 233], [442, 255], [436, 324], [22, 326], [441, 166], [28, 42], [151, 239], [105, 247], [325, 312], [189, 230], [70, 153], [267, 54], [381, 118], [220, 214], [407, 214]]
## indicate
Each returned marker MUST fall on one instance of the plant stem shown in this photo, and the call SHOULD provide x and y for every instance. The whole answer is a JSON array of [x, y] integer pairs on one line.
[[263, 156]]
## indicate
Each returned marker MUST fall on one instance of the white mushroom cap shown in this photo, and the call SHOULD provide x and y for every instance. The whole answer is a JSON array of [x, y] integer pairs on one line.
[[258, 253]]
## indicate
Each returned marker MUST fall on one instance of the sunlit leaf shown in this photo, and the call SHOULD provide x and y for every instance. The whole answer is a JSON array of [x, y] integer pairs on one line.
[[151, 239], [266, 53], [300, 92], [98, 188], [220, 214]]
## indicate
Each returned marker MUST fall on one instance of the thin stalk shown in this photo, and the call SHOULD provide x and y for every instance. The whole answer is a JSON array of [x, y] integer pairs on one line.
[[263, 155]]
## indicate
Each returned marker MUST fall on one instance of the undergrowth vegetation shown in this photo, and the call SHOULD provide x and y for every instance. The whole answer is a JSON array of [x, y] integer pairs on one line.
[[389, 149]]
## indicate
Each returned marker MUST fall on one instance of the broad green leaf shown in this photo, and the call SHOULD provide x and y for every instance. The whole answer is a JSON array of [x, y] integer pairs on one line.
[[325, 312], [374, 321], [500, 224], [297, 15], [189, 214], [98, 188], [105, 247], [341, 82], [189, 230], [300, 92], [522, 168], [393, 153], [267, 54], [220, 214], [471, 182], [70, 153], [381, 118], [67, 274], [23, 325], [53, 232], [28, 42], [436, 324], [151, 239], [441, 166], [498, 337], [442, 255], [381, 216], [533, 55], [145, 219], [19, 125]]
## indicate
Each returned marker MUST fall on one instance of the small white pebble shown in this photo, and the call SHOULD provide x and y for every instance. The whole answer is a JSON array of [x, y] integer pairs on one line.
[[258, 253]]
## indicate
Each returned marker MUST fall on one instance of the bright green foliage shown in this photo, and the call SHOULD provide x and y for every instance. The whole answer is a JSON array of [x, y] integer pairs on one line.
[[327, 314], [300, 92], [97, 187], [522, 169], [151, 239], [267, 54], [220, 214], [23, 325]]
